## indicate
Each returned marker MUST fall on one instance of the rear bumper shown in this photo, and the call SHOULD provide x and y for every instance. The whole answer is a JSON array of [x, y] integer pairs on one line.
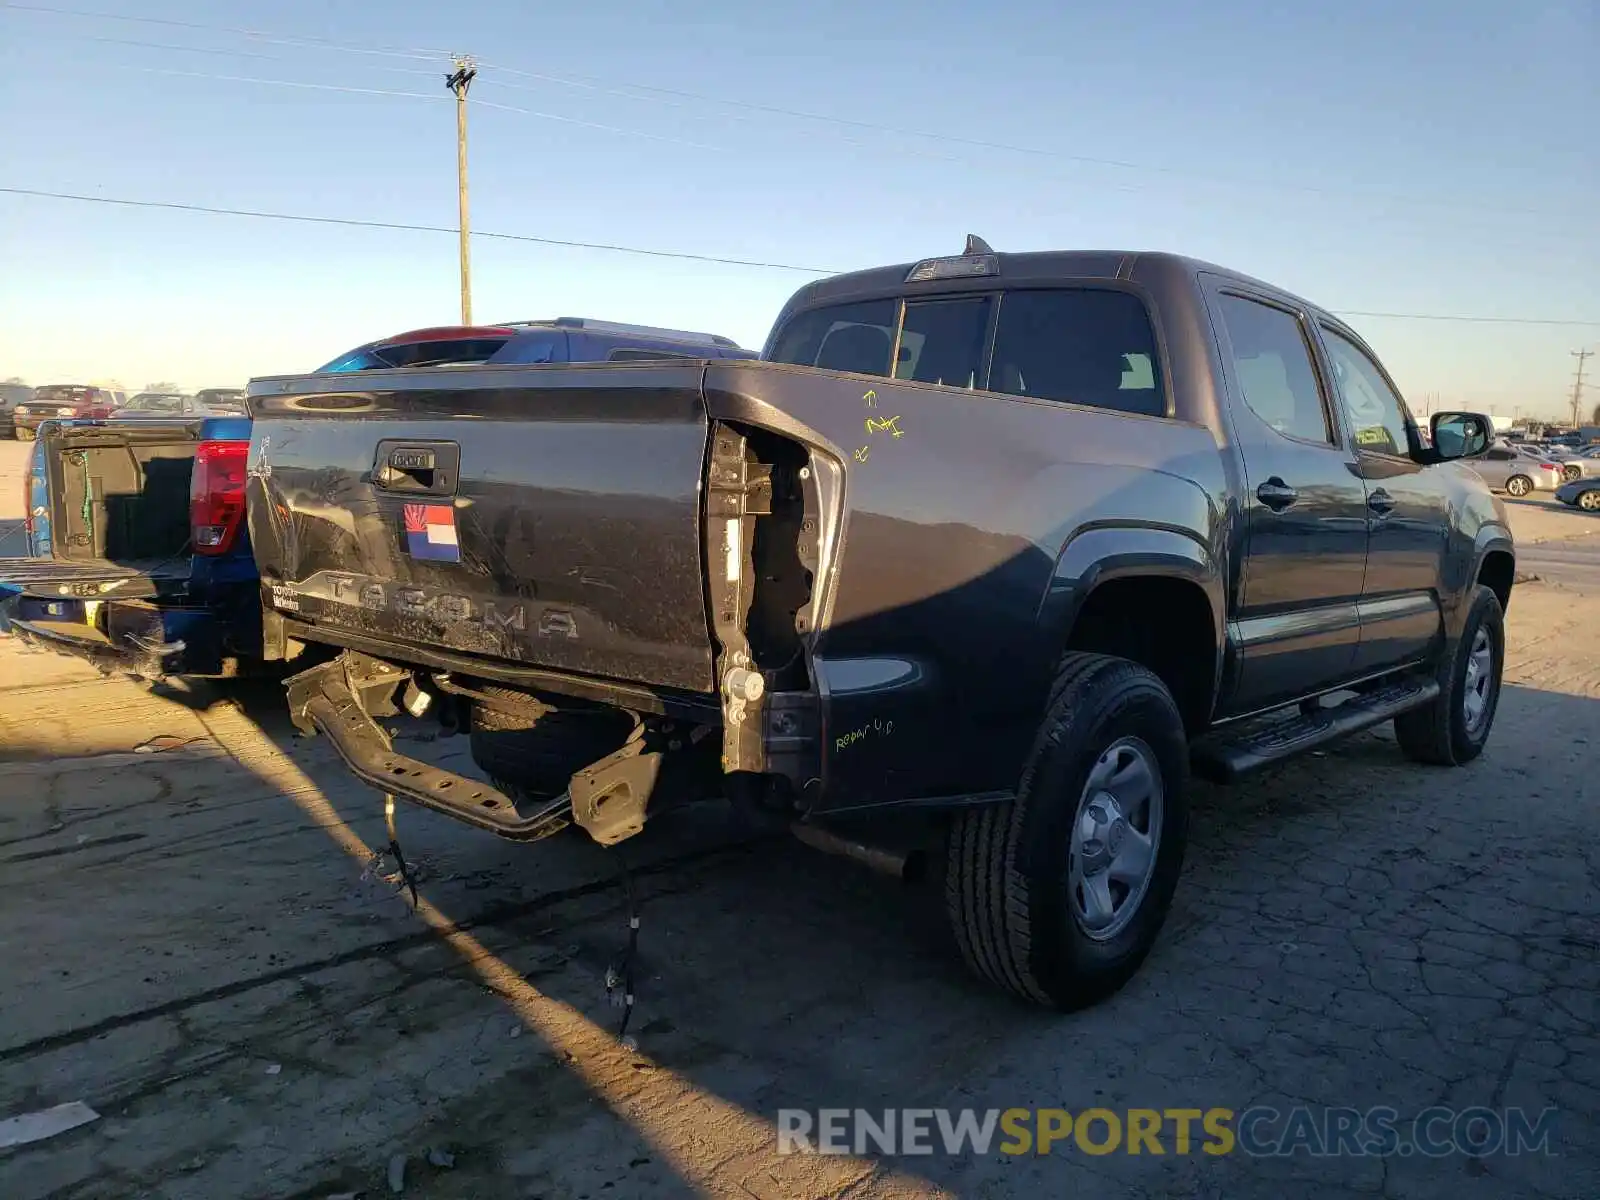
[[325, 700], [135, 637]]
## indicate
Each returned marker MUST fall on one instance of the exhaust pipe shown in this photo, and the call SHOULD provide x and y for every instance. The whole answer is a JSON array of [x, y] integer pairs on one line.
[[885, 862]]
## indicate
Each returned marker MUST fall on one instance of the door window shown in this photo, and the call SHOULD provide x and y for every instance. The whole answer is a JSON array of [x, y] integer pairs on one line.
[[1377, 416], [1082, 345], [1272, 361]]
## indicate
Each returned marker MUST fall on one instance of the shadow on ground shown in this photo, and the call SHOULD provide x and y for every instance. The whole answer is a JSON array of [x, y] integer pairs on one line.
[[1351, 930]]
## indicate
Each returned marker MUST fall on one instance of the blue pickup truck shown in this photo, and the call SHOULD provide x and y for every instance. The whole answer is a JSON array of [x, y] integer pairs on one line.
[[139, 559]]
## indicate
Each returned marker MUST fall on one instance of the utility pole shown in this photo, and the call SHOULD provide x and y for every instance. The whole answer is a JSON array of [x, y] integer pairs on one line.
[[1577, 385], [458, 81]]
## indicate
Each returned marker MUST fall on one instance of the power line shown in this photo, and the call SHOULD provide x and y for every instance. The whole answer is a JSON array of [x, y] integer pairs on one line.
[[415, 228], [800, 114], [288, 83], [256, 34], [617, 248], [365, 91], [228, 52], [1350, 312]]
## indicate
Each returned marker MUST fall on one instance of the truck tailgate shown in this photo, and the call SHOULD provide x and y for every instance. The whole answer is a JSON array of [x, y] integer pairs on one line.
[[541, 515], [119, 493]]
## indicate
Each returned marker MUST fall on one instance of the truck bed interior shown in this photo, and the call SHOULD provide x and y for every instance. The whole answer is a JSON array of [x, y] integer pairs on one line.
[[122, 499]]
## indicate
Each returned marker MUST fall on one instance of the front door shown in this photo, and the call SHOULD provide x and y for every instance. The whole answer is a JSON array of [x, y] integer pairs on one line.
[[1297, 622], [1407, 514]]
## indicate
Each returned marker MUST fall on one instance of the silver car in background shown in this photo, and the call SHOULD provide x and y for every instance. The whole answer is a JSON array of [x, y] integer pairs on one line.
[[1582, 464], [1517, 472]]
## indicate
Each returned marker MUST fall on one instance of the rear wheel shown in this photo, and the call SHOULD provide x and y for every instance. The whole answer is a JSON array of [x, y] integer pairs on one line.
[[1572, 474], [1453, 728], [1590, 501], [1059, 894], [1519, 485], [24, 435], [533, 751]]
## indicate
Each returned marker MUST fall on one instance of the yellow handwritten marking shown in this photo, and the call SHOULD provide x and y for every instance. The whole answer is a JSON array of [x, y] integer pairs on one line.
[[871, 397], [878, 725], [885, 425], [861, 454]]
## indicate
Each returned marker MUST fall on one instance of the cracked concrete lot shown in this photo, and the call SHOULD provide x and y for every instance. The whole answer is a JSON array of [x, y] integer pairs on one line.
[[196, 944]]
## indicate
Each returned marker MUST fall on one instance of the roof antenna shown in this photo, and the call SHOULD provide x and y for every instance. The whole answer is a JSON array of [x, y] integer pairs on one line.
[[976, 245]]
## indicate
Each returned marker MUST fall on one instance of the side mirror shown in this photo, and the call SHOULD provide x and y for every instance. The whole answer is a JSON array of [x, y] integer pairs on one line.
[[1460, 434]]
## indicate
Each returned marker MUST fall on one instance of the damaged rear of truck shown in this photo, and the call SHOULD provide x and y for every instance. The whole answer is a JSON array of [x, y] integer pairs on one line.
[[825, 593]]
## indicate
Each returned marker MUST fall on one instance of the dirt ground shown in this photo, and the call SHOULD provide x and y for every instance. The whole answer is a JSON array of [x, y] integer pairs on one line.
[[197, 944]]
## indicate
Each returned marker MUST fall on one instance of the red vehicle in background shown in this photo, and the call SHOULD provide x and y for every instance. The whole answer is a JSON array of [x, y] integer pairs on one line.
[[65, 401]]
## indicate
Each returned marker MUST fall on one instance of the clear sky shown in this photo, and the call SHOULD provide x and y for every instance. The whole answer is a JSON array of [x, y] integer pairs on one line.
[[1430, 156]]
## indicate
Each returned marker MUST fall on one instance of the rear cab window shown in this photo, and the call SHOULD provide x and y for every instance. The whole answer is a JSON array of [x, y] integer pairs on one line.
[[443, 353], [1094, 346], [845, 337]]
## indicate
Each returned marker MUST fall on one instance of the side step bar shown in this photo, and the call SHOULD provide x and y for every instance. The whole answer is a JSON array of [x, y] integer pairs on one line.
[[322, 700], [1226, 756]]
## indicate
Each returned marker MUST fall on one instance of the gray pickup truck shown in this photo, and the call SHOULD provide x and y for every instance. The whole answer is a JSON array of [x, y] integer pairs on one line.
[[1015, 540]]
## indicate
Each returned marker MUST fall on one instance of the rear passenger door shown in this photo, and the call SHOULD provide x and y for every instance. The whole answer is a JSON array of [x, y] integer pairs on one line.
[[1296, 625], [1407, 511]]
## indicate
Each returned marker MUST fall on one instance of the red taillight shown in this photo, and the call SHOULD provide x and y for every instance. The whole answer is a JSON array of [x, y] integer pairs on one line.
[[1551, 466], [216, 496]]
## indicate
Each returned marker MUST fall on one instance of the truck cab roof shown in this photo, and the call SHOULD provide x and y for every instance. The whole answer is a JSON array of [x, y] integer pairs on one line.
[[1040, 266]]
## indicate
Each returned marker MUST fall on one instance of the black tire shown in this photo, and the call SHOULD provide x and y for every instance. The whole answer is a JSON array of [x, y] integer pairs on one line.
[[1008, 890], [1519, 486], [1440, 733], [1590, 501], [533, 753], [1572, 474]]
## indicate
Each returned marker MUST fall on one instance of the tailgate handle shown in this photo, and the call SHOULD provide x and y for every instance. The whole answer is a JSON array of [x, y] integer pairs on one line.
[[411, 461], [426, 468]]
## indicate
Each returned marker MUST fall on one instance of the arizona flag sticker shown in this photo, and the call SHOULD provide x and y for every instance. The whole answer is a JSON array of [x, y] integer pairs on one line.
[[431, 532]]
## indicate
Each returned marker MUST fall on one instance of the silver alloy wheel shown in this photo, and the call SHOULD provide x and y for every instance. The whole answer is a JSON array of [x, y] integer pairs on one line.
[[1518, 485], [1590, 501], [1116, 835], [1480, 683]]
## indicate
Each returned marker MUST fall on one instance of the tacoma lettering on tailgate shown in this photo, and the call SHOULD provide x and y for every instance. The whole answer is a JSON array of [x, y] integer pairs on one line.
[[413, 600]]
